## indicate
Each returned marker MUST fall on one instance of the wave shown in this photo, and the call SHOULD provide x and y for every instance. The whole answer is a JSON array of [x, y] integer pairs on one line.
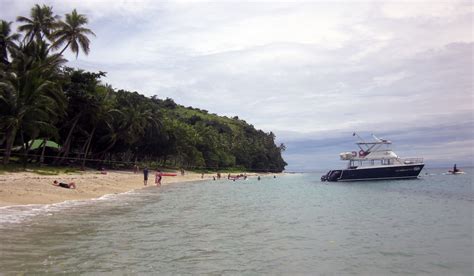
[[20, 213]]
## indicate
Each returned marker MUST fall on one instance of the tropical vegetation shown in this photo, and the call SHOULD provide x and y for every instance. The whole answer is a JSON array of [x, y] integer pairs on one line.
[[42, 99]]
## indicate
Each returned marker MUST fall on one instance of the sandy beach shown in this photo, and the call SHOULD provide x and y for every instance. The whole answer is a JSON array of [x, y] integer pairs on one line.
[[31, 188]]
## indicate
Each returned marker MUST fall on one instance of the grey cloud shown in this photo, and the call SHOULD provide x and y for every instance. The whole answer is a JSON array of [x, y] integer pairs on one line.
[[440, 146], [362, 66]]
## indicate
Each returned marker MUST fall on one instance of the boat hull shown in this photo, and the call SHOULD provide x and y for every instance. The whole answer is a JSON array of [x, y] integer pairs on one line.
[[377, 173]]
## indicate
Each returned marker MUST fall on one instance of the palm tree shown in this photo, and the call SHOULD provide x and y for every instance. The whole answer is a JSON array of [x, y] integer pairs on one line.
[[73, 34], [7, 40], [31, 96], [129, 125], [101, 111], [80, 92], [40, 24]]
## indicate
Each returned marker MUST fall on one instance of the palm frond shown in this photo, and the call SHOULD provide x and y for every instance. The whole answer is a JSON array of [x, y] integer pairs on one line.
[[84, 43], [23, 19]]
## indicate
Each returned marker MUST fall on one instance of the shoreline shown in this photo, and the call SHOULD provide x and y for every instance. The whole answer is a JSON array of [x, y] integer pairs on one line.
[[26, 188]]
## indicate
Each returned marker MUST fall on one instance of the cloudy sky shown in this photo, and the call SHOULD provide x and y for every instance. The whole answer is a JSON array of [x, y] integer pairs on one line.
[[313, 72]]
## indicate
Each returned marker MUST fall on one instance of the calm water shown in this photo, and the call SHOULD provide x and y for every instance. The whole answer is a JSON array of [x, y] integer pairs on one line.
[[289, 225]]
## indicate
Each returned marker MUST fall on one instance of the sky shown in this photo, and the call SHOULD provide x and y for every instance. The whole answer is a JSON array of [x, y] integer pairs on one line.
[[312, 72]]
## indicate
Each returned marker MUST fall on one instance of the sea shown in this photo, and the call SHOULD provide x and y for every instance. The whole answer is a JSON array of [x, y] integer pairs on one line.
[[293, 224]]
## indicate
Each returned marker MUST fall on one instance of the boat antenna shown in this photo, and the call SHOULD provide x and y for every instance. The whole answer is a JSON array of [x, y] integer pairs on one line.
[[360, 138], [380, 139], [376, 138]]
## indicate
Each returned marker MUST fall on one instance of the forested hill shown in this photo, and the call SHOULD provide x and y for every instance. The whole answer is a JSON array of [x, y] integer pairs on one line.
[[98, 122], [128, 126], [91, 123]]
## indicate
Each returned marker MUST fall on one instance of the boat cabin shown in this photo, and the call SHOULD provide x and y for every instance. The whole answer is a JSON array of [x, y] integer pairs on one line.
[[378, 153]]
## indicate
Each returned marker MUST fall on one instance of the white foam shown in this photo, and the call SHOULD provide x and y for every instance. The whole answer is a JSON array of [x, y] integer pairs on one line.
[[21, 213]]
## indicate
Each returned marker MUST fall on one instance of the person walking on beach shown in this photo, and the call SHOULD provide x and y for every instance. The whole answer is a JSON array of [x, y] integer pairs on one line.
[[145, 176], [158, 178]]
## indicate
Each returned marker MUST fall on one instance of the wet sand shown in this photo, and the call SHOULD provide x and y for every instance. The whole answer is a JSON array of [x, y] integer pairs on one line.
[[31, 188]]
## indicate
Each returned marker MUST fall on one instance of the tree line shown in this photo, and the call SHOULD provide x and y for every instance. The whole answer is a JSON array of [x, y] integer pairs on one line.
[[41, 98]]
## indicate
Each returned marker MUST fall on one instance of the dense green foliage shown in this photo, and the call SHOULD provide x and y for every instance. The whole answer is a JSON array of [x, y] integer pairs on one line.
[[42, 99]]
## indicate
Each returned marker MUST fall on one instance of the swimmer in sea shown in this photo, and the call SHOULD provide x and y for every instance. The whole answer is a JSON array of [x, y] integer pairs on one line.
[[71, 185]]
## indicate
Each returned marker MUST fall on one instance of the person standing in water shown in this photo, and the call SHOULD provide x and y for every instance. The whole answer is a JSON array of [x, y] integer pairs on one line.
[[158, 178], [145, 176]]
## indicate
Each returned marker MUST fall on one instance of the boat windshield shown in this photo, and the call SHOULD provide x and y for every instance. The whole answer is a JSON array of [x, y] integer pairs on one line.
[[368, 163], [375, 146]]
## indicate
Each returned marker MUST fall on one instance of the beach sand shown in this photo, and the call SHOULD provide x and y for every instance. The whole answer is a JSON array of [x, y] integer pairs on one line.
[[30, 188]]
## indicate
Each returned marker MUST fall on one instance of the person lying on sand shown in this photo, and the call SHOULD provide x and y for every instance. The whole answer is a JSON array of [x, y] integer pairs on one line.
[[71, 185]]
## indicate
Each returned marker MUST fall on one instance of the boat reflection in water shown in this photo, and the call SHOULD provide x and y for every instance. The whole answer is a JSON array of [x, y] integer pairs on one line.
[[375, 161]]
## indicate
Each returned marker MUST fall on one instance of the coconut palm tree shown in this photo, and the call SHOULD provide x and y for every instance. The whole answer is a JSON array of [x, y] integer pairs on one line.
[[80, 91], [129, 125], [8, 41], [30, 94], [100, 112], [73, 33], [40, 25]]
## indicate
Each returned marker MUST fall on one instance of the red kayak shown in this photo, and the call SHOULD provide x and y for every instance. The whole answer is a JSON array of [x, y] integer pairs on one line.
[[168, 174]]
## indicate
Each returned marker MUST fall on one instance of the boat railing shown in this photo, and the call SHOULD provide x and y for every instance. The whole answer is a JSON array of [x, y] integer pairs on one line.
[[411, 160]]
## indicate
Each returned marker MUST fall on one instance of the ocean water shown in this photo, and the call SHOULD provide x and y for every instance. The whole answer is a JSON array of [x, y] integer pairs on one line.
[[287, 225]]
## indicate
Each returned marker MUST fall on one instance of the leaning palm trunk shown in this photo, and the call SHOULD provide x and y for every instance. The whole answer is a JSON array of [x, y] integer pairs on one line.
[[42, 151], [67, 144], [25, 148], [88, 143], [62, 51], [10, 139]]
